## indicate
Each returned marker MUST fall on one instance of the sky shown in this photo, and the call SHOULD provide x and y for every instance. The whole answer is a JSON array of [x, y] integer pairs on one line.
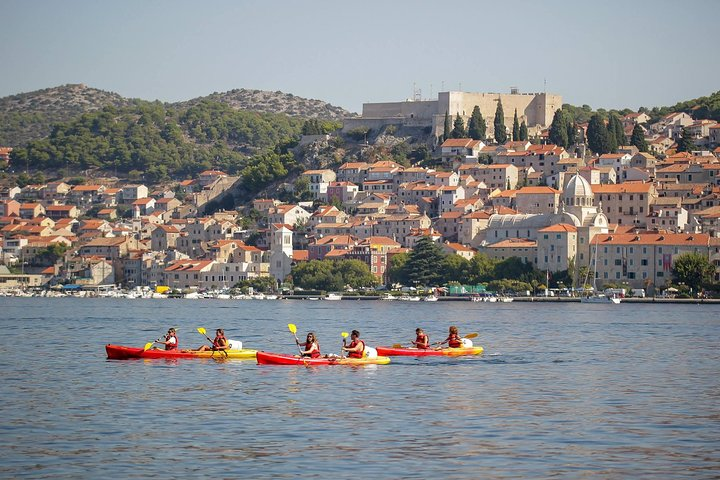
[[606, 54]]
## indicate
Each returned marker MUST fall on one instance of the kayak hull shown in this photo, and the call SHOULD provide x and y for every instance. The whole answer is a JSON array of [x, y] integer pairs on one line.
[[266, 358], [419, 352], [120, 352]]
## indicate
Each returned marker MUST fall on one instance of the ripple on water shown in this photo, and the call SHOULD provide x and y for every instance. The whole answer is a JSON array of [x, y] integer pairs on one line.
[[561, 391]]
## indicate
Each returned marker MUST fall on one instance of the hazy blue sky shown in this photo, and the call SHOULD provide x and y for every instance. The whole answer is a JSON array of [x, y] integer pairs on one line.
[[608, 54]]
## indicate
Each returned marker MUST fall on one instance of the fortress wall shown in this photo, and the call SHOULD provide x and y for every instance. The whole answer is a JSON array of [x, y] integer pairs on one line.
[[421, 109], [536, 109]]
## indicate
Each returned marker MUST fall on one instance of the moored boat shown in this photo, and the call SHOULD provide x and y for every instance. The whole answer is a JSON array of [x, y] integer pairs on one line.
[[428, 352], [120, 352], [267, 358]]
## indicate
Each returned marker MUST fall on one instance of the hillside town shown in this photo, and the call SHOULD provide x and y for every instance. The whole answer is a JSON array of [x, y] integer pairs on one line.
[[625, 215]]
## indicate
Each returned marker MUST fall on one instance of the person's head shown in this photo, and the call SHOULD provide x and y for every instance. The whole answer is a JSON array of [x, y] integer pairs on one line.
[[311, 337], [171, 331], [355, 334], [453, 330], [419, 331], [219, 332]]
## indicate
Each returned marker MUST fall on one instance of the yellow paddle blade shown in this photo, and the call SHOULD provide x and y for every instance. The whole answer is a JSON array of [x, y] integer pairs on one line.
[[396, 345], [147, 346], [471, 335], [202, 331], [292, 328], [344, 334]]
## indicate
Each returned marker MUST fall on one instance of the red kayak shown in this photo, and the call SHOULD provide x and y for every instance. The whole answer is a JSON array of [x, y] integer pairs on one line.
[[428, 352], [265, 358], [119, 352]]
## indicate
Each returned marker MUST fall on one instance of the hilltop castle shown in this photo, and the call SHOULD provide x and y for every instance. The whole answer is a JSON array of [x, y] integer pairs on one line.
[[536, 109]]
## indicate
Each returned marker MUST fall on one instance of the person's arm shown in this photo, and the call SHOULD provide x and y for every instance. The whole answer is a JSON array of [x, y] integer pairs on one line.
[[223, 344]]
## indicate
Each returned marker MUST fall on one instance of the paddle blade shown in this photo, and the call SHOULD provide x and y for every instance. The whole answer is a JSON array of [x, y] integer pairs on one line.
[[292, 328], [344, 334], [471, 335], [202, 331], [147, 346], [396, 345]]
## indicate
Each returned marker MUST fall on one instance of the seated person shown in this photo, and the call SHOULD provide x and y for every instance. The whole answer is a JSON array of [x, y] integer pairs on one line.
[[311, 346], [220, 343], [421, 339]]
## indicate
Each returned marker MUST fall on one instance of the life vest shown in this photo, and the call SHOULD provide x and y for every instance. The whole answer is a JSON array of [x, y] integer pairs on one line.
[[454, 341], [358, 354], [315, 353], [171, 346], [217, 345], [421, 341]]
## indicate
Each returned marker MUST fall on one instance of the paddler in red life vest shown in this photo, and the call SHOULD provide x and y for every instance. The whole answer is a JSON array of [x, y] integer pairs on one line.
[[311, 346], [421, 339], [171, 340], [220, 343], [453, 340], [356, 347]]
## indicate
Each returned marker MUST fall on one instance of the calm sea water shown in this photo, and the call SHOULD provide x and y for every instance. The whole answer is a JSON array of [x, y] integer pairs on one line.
[[563, 390]]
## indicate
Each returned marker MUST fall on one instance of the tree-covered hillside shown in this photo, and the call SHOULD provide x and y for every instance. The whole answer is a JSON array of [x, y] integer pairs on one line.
[[698, 108], [161, 141], [29, 116]]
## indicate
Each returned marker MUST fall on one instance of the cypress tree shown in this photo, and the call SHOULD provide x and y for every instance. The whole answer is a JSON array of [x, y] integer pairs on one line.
[[572, 133], [685, 144], [516, 128], [612, 141], [458, 130], [499, 124], [638, 138], [446, 127], [597, 135], [558, 129], [615, 126], [476, 125], [523, 131]]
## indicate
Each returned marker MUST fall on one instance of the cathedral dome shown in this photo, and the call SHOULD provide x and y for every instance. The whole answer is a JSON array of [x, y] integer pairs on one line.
[[578, 192]]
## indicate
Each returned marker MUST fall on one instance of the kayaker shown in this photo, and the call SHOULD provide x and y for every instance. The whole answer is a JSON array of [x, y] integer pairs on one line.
[[453, 340], [356, 347], [171, 340], [220, 343], [421, 339], [311, 346]]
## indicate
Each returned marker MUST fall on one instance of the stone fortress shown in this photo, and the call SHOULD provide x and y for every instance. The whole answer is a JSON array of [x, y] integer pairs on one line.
[[536, 109]]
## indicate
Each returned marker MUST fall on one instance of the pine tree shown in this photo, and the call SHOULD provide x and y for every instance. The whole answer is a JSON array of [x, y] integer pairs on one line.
[[685, 143], [523, 131], [516, 128], [458, 130], [446, 127], [638, 138], [476, 125], [558, 129], [597, 135], [499, 124], [422, 264]]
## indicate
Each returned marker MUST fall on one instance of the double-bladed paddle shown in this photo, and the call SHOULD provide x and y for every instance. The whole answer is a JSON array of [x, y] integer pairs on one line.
[[344, 335], [150, 344], [293, 330]]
